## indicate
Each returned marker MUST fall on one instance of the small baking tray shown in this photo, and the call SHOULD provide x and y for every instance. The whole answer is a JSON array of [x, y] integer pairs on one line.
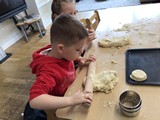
[[148, 60]]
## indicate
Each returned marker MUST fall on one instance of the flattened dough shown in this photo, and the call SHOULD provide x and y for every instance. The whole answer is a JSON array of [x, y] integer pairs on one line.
[[104, 81], [114, 42], [138, 75]]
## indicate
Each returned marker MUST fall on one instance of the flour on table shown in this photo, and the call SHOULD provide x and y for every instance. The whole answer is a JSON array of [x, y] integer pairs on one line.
[[114, 42], [104, 81], [114, 62], [125, 27]]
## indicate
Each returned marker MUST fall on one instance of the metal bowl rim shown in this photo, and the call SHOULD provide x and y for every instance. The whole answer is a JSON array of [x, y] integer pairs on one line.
[[125, 92]]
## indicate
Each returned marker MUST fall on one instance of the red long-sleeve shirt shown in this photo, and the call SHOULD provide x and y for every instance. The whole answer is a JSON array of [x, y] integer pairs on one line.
[[53, 76]]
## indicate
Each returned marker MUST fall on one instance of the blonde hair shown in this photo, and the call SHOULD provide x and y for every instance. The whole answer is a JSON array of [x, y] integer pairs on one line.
[[56, 6]]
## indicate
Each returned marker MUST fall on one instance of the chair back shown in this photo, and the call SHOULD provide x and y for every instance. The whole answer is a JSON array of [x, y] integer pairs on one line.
[[92, 22]]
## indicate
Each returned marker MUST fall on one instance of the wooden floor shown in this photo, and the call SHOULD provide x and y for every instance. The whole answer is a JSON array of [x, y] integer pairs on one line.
[[16, 77]]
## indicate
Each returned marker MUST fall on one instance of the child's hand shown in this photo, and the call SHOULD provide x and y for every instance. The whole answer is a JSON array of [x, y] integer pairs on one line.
[[81, 97], [88, 92], [91, 35], [83, 61]]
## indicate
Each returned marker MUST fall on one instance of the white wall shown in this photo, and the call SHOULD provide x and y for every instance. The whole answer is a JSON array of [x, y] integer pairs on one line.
[[9, 34], [42, 8]]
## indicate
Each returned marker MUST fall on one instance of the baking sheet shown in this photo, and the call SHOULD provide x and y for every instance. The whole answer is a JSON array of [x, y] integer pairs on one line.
[[147, 60]]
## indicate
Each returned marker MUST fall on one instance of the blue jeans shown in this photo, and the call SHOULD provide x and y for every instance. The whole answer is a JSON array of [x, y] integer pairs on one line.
[[34, 114]]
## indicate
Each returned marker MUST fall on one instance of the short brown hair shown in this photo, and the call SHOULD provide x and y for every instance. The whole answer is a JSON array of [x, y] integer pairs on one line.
[[67, 30], [56, 6]]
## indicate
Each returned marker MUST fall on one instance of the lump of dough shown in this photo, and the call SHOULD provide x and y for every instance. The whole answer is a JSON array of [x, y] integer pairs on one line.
[[114, 42], [138, 75], [104, 81]]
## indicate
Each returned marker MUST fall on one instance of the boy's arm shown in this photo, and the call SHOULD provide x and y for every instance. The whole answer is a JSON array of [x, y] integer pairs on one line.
[[45, 101]]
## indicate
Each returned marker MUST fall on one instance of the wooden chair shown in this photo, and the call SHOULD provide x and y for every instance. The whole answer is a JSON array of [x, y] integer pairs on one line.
[[23, 21], [92, 22]]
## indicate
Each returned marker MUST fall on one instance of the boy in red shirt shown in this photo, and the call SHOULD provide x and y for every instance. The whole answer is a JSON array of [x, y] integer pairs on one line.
[[54, 69]]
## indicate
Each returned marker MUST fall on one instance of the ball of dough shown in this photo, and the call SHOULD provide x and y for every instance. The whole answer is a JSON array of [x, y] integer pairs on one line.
[[138, 75], [104, 81]]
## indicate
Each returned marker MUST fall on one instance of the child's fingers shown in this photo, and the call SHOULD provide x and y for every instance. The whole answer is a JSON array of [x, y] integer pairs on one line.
[[88, 97], [90, 30], [91, 58]]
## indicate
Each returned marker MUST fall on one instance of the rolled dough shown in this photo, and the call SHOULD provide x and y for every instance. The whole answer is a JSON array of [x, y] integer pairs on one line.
[[114, 42], [138, 75], [104, 81]]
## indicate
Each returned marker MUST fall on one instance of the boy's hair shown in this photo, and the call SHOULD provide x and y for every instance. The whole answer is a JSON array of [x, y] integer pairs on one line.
[[67, 30], [56, 6]]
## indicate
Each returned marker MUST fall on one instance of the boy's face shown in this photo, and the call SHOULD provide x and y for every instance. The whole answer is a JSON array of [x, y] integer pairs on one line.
[[74, 51], [68, 8]]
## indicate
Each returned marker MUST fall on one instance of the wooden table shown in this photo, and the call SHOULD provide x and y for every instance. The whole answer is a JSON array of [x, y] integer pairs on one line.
[[143, 26]]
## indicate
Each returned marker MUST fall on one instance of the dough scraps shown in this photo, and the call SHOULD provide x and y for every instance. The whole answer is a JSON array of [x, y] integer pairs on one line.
[[114, 42], [104, 81], [138, 75]]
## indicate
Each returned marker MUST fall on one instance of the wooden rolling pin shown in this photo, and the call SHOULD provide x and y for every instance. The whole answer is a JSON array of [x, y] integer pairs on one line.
[[88, 82]]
